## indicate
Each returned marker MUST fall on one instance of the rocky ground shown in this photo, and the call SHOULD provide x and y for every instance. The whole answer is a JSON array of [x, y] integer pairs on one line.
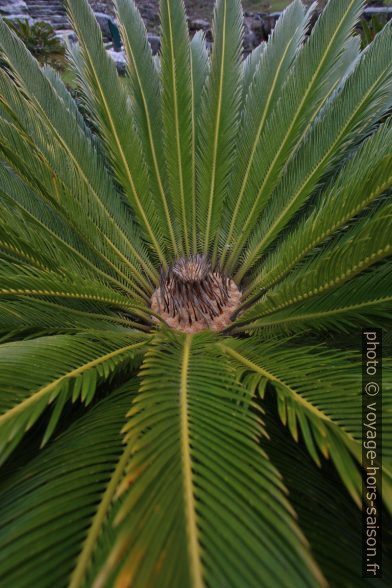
[[199, 11], [260, 16]]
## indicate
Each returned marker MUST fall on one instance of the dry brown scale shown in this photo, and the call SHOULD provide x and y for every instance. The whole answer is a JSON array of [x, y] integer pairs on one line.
[[193, 297]]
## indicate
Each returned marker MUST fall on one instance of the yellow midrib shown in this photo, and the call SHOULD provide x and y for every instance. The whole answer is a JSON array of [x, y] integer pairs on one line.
[[151, 142], [216, 131], [72, 374], [189, 499], [264, 241], [266, 374], [194, 224], [316, 315], [97, 198], [136, 309], [344, 277], [254, 147], [125, 164], [84, 559], [294, 119], [263, 278], [177, 133]]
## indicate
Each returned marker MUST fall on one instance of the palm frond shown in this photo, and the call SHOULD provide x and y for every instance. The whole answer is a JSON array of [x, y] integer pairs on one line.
[[47, 506], [363, 179], [323, 403], [54, 240], [114, 118], [177, 113], [198, 437], [21, 281], [364, 244], [191, 183], [349, 58], [317, 495], [76, 161], [219, 119], [249, 67], [54, 370], [37, 315], [199, 65], [265, 89], [313, 74], [365, 97], [364, 301], [56, 81], [145, 87]]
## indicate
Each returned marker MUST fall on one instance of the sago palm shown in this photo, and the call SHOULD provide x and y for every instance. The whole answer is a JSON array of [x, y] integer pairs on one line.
[[186, 268]]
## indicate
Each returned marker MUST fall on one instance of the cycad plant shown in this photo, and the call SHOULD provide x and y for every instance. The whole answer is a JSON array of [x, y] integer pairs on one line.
[[184, 271], [40, 38]]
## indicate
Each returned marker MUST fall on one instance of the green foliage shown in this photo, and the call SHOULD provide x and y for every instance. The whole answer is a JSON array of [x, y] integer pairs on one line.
[[40, 38], [370, 28], [66, 479], [135, 455], [324, 508]]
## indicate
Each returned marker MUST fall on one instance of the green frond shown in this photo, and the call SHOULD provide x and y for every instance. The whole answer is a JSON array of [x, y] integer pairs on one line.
[[76, 161], [387, 425], [17, 248], [365, 97], [276, 170], [200, 65], [264, 90], [318, 393], [114, 118], [363, 179], [37, 315], [20, 153], [177, 114], [365, 243], [349, 57], [366, 300], [56, 81], [317, 495], [53, 371], [312, 75], [219, 119], [250, 65], [46, 507], [145, 89], [51, 238], [21, 281], [196, 473]]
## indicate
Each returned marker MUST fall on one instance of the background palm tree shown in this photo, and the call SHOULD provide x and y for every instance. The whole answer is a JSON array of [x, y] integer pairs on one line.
[[138, 454]]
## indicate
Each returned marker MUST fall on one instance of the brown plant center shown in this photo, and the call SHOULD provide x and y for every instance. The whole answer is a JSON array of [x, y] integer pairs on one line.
[[192, 296]]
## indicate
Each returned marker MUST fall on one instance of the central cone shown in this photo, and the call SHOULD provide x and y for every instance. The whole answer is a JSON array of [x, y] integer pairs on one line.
[[193, 297]]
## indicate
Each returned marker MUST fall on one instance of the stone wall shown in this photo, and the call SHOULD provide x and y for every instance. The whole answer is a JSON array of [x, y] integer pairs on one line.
[[257, 25]]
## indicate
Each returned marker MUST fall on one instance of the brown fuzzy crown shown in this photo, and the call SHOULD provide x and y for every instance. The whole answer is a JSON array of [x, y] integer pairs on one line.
[[192, 296]]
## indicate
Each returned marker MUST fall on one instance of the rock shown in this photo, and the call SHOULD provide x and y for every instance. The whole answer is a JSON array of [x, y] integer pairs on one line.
[[155, 43], [14, 8], [119, 59], [198, 24], [103, 6], [258, 27], [149, 9], [250, 41], [103, 21], [67, 36]]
